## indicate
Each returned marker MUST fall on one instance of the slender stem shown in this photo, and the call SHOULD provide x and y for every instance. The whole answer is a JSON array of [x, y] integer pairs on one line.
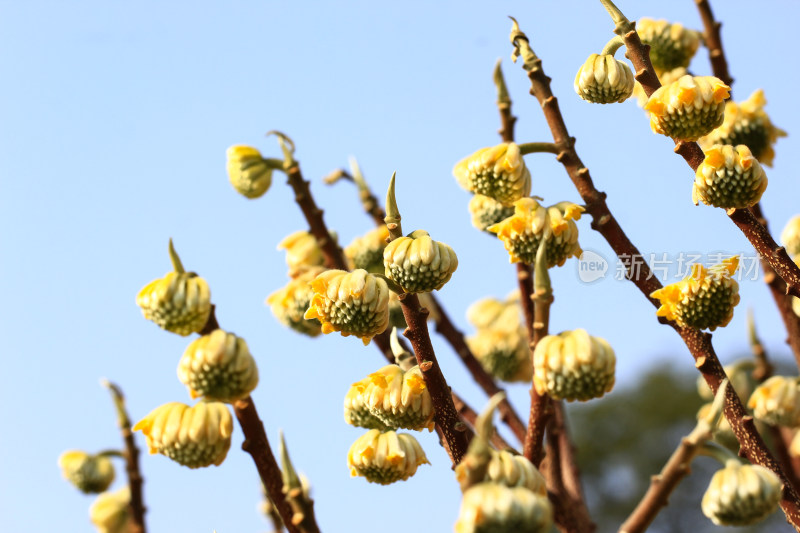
[[507, 119], [539, 147], [111, 453], [256, 444], [468, 414], [713, 41], [699, 344], [691, 152], [177, 266], [612, 46], [570, 473], [131, 455]]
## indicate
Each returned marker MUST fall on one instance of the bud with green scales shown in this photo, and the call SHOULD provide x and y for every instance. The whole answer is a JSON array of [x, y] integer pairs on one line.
[[498, 172], [367, 251], [91, 474], [522, 232], [729, 177], [747, 123], [110, 512], [417, 263], [248, 172], [741, 494], [573, 365], [777, 401], [503, 353], [352, 303], [302, 252], [356, 412], [510, 470], [195, 437], [179, 302], [399, 399], [494, 508], [604, 80], [384, 458], [704, 299], [688, 108], [487, 211], [290, 303], [671, 45], [218, 366]]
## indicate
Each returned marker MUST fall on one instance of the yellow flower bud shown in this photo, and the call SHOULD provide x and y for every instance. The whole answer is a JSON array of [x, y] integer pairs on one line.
[[688, 108], [531, 222], [302, 252], [493, 508], [179, 302], [110, 511], [573, 366], [729, 177], [664, 77], [385, 457], [290, 303], [777, 401], [790, 237], [604, 80], [195, 436], [356, 413], [91, 474], [723, 433], [248, 172], [367, 252], [671, 45], [506, 468], [491, 313], [747, 123], [704, 299], [352, 303], [418, 263], [503, 353], [398, 399], [218, 366], [487, 211], [498, 172], [741, 494]]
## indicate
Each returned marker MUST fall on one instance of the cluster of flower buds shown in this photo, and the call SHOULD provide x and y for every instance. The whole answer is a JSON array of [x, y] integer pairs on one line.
[[487, 211], [290, 303], [417, 263], [704, 299], [573, 365], [777, 401], [689, 108], [248, 172], [498, 172], [218, 366], [352, 303], [532, 222], [490, 507], [741, 494], [195, 436], [385, 457], [500, 342], [397, 398], [671, 45], [604, 80], [91, 474], [729, 177], [510, 470], [302, 252], [110, 512], [366, 252], [747, 123], [179, 302]]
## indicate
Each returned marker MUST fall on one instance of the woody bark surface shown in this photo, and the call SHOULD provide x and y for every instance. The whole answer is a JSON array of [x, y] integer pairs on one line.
[[698, 343], [777, 287]]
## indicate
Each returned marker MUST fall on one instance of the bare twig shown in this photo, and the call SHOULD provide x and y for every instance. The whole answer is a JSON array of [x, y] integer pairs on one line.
[[699, 343], [570, 473], [257, 445], [716, 55], [131, 455]]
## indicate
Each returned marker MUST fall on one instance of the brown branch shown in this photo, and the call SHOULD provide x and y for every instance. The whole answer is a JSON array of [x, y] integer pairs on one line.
[[541, 408], [713, 40], [699, 343], [691, 152], [256, 444], [131, 455], [570, 473], [445, 413]]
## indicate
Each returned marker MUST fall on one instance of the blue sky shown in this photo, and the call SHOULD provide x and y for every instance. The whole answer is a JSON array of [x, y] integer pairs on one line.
[[116, 116]]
